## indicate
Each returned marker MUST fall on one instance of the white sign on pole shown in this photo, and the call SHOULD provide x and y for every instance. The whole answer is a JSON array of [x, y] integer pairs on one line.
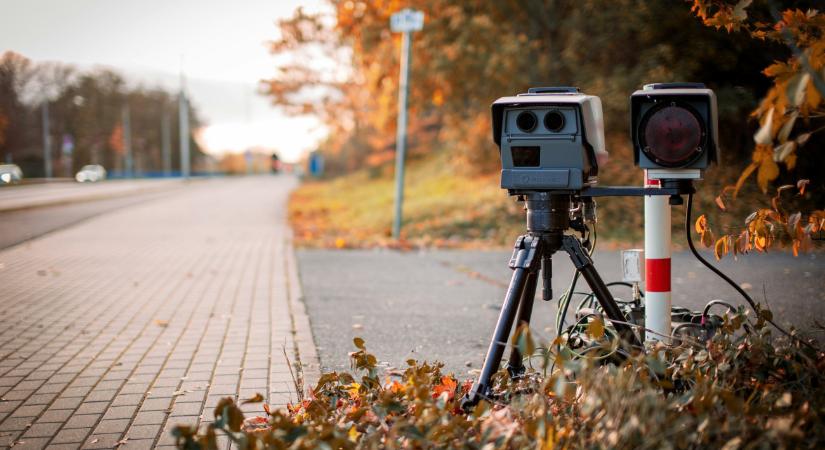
[[407, 20]]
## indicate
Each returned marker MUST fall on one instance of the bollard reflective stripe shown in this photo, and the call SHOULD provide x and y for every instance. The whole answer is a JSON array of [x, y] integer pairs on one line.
[[657, 265]]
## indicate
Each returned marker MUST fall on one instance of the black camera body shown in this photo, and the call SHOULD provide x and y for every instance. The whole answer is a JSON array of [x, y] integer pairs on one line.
[[674, 129], [549, 139]]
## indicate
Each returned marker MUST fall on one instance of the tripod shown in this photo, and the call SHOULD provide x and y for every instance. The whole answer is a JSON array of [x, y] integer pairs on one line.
[[548, 217]]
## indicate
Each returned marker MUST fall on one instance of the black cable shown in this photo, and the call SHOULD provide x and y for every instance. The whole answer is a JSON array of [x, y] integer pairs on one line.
[[713, 303], [688, 222], [566, 306]]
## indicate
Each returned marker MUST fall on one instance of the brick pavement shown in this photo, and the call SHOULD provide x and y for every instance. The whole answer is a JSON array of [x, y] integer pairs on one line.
[[119, 328]]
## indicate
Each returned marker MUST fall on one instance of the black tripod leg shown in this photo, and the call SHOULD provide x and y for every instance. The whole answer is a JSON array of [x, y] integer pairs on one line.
[[525, 309], [611, 309], [522, 261]]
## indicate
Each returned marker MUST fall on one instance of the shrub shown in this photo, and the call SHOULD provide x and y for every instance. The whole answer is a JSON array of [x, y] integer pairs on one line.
[[741, 389]]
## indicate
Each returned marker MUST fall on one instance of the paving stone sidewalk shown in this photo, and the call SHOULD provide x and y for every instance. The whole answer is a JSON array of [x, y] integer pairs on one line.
[[119, 328]]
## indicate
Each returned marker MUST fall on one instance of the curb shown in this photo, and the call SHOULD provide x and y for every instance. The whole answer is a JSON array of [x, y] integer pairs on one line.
[[306, 354]]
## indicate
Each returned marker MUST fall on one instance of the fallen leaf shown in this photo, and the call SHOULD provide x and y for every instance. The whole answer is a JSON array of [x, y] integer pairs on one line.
[[596, 328], [257, 398]]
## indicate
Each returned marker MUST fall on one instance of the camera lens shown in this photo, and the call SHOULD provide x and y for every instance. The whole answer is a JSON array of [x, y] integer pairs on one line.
[[526, 121], [672, 136], [554, 121]]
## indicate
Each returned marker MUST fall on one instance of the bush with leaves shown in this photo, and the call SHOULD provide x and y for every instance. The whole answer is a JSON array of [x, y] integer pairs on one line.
[[791, 119], [741, 389]]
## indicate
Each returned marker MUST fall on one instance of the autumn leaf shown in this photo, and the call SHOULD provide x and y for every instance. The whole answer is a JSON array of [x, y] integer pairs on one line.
[[596, 328], [721, 248], [801, 185], [227, 414], [701, 224], [448, 385], [768, 171], [359, 343], [523, 340], [257, 398], [720, 203], [764, 136]]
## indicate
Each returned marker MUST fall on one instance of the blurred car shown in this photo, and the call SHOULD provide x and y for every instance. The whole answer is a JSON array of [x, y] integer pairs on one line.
[[91, 173], [10, 173]]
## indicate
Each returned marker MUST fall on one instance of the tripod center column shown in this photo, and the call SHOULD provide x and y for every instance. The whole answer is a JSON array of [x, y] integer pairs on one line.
[[547, 213]]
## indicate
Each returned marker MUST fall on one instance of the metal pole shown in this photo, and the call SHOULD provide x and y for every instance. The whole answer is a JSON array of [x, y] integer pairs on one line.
[[657, 264], [183, 115], [127, 141], [47, 140], [166, 143], [401, 137]]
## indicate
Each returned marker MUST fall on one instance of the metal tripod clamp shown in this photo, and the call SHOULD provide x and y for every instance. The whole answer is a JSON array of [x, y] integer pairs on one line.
[[524, 253]]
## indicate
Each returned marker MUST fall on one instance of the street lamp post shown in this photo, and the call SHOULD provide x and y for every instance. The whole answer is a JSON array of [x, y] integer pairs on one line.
[[166, 143], [127, 141], [183, 119], [47, 140], [405, 21]]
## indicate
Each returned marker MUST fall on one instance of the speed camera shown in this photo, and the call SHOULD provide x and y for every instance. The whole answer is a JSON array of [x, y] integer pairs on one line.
[[549, 139]]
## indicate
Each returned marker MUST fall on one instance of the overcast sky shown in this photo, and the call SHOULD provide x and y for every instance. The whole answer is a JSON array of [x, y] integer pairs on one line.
[[220, 45]]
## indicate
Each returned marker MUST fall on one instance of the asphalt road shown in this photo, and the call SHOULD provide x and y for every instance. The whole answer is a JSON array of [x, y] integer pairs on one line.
[[443, 305], [21, 225], [26, 196]]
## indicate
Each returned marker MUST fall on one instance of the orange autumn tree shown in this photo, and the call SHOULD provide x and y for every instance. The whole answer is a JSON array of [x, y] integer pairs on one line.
[[789, 115]]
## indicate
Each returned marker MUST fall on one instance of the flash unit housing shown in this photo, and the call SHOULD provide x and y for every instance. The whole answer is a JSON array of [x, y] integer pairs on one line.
[[549, 139], [674, 129]]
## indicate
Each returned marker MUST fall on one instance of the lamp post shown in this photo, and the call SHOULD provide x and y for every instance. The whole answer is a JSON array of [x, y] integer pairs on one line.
[[47, 140], [405, 21]]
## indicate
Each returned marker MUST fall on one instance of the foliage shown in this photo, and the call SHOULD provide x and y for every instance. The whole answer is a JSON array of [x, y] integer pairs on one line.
[[87, 107], [343, 67], [765, 225], [790, 114], [739, 390], [798, 82]]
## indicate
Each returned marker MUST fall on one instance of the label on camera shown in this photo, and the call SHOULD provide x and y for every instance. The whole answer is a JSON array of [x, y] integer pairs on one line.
[[545, 178]]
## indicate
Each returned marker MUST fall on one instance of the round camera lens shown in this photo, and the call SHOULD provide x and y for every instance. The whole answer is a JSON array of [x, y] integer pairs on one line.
[[526, 121], [672, 136], [554, 121]]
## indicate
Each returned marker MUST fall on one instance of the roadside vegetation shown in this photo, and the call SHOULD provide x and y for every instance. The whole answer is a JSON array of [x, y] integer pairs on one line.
[[740, 390]]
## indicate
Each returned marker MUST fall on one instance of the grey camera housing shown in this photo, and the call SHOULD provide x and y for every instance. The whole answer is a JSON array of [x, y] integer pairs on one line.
[[562, 157], [691, 96]]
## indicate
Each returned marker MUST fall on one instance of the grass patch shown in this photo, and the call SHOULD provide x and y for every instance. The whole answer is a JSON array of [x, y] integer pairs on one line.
[[441, 208]]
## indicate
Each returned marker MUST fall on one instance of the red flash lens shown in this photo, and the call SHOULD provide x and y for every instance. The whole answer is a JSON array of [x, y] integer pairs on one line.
[[672, 136]]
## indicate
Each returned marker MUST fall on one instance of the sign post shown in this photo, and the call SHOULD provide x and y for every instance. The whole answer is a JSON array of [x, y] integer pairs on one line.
[[657, 264], [405, 21]]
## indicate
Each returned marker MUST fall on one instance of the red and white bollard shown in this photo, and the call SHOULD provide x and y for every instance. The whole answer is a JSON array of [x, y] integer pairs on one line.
[[657, 265]]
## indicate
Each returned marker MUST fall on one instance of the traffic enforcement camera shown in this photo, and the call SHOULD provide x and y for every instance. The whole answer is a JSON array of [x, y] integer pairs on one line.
[[674, 129], [549, 139]]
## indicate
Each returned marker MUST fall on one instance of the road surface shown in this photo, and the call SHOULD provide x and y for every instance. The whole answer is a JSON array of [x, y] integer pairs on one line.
[[443, 305]]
